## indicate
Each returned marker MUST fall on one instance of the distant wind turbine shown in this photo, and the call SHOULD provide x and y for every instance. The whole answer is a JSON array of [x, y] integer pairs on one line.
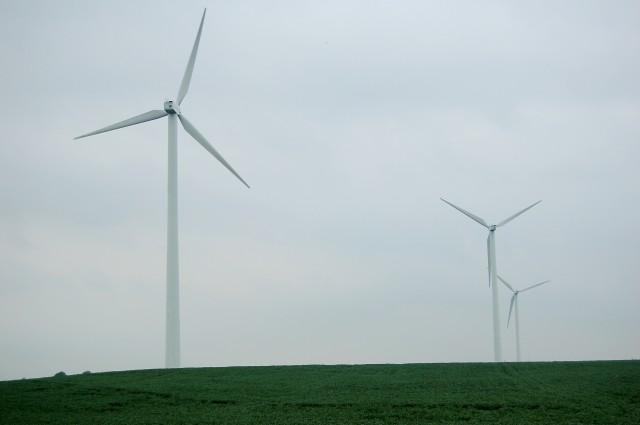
[[493, 271], [514, 301], [173, 113]]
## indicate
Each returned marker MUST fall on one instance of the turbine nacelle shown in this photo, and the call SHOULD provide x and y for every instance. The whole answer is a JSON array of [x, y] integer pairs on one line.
[[492, 228], [172, 107]]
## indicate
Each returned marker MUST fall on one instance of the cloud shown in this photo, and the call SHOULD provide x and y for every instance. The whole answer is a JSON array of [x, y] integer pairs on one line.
[[349, 121]]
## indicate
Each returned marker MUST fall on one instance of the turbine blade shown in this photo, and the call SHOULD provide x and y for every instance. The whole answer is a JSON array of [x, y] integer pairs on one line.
[[205, 144], [507, 284], [186, 79], [503, 222], [513, 298], [468, 214], [147, 116], [533, 286]]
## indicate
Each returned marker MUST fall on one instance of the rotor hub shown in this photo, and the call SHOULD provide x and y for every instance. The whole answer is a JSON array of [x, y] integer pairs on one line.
[[172, 107], [492, 228]]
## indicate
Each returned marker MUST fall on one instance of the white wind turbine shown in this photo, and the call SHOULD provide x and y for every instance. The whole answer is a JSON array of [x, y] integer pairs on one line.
[[514, 301], [493, 271], [173, 113]]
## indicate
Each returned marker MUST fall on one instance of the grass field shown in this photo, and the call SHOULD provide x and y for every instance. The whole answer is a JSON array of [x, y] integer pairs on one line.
[[604, 392]]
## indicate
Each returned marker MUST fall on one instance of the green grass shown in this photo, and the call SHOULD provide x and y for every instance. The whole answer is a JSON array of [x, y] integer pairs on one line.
[[604, 392]]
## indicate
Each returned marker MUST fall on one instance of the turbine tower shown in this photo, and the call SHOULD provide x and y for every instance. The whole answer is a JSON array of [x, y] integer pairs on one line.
[[493, 271], [514, 301], [172, 111]]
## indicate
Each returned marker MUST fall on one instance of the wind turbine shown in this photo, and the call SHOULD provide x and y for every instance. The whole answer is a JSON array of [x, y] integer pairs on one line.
[[172, 111], [514, 301], [493, 271]]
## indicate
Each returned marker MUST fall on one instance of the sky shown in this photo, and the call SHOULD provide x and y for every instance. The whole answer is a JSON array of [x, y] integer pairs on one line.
[[349, 120]]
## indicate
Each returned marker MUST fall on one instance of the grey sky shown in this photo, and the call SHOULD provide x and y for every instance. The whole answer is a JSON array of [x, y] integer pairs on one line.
[[349, 120]]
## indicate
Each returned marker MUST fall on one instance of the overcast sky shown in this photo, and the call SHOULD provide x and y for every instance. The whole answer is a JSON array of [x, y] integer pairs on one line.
[[349, 120]]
